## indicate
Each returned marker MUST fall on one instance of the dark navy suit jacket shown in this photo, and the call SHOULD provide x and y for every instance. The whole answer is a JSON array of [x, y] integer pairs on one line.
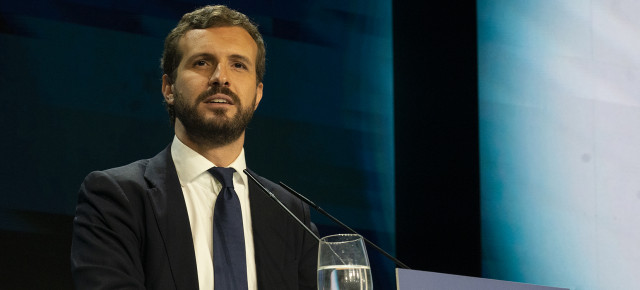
[[131, 231]]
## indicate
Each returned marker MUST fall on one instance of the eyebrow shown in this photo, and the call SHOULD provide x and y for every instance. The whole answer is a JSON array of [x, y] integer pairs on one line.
[[241, 58], [236, 57], [201, 55]]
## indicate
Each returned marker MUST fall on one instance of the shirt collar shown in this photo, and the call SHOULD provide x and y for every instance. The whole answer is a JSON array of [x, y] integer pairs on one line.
[[190, 164]]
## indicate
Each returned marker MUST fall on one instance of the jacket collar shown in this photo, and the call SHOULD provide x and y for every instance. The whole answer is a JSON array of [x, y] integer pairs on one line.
[[171, 215]]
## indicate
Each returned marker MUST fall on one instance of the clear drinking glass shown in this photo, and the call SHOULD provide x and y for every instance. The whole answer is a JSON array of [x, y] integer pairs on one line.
[[343, 263]]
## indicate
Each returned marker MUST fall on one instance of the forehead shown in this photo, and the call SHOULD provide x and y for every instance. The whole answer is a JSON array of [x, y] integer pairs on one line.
[[219, 41]]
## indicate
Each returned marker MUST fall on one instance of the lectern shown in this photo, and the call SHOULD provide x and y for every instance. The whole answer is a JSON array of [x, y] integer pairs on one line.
[[422, 280]]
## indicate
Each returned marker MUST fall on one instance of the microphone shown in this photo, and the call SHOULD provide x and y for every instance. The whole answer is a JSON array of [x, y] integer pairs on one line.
[[269, 193], [322, 211]]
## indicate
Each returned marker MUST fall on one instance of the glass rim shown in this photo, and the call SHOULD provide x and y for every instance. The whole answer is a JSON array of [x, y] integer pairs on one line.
[[356, 238]]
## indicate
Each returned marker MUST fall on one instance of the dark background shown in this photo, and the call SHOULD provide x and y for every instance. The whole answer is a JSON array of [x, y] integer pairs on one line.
[[436, 142], [436, 120]]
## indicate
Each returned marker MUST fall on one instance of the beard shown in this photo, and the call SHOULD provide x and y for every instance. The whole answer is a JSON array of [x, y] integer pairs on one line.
[[219, 130]]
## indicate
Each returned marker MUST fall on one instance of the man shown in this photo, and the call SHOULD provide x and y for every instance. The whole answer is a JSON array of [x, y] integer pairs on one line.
[[152, 224]]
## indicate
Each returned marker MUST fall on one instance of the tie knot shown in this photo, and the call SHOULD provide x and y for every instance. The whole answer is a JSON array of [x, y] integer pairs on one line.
[[224, 175]]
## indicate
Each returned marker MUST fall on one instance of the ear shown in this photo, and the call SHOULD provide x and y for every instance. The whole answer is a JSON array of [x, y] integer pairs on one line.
[[258, 95], [167, 89]]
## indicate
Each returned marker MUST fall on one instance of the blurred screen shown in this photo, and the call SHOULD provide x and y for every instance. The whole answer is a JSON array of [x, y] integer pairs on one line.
[[559, 107]]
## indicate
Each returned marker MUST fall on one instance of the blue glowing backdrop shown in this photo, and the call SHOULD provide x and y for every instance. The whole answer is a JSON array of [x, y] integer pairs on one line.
[[559, 106]]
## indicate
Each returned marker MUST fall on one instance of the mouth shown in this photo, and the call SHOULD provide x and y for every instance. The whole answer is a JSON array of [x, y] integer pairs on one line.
[[221, 99]]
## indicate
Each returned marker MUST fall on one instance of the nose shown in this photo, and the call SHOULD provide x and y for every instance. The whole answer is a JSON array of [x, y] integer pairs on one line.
[[219, 76]]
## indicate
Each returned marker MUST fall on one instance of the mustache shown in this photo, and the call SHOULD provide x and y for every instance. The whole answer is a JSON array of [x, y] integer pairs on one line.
[[219, 90]]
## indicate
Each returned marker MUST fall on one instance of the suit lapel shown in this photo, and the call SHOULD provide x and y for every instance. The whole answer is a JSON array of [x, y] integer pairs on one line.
[[172, 218], [259, 219], [272, 232]]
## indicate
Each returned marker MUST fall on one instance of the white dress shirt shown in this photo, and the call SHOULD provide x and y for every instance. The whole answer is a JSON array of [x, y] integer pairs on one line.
[[200, 190]]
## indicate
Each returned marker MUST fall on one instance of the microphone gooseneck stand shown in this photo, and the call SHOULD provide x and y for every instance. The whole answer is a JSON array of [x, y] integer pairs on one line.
[[322, 211], [269, 193]]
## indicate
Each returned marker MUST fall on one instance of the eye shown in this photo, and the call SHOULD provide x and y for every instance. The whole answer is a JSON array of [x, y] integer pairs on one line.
[[200, 63], [239, 65]]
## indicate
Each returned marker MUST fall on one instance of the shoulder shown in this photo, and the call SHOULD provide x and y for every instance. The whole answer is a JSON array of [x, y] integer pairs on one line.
[[134, 173], [130, 173]]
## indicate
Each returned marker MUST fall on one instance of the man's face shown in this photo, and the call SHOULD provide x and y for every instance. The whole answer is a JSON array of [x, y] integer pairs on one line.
[[215, 92]]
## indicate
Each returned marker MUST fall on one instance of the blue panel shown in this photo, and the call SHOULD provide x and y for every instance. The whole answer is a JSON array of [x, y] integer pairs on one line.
[[559, 111]]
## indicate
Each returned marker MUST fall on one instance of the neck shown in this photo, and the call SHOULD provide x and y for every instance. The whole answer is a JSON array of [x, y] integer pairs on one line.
[[221, 156]]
